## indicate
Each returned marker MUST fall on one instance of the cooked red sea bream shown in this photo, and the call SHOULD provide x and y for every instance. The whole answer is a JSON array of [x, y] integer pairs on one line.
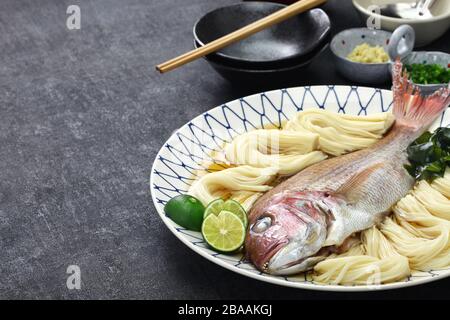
[[300, 221]]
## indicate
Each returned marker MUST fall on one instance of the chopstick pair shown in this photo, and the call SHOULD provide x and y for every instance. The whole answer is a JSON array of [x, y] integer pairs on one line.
[[274, 18]]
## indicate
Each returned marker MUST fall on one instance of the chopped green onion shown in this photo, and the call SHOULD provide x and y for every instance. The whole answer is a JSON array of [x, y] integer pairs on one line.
[[420, 73]]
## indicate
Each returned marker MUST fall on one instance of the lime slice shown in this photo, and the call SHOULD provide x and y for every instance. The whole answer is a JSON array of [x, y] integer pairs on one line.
[[214, 207], [218, 205], [186, 211], [224, 232], [234, 207]]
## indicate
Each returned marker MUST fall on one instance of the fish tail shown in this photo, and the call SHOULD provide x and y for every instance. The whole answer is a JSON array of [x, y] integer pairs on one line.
[[411, 108]]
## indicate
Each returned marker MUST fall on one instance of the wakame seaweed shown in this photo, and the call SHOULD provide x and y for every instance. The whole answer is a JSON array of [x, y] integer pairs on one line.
[[429, 155]]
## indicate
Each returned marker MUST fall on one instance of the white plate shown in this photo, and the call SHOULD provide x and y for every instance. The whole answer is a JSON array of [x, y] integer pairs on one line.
[[176, 163]]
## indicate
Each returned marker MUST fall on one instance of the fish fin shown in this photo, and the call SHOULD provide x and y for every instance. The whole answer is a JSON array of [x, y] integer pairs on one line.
[[350, 189], [411, 108]]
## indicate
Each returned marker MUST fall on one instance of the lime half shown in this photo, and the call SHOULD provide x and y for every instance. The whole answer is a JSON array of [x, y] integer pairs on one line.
[[218, 205], [224, 232]]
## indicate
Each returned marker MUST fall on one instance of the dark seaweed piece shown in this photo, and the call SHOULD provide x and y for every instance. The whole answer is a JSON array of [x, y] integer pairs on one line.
[[429, 155]]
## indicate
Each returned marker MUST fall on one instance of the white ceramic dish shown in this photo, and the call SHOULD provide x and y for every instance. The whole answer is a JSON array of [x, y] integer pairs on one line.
[[427, 30], [176, 163]]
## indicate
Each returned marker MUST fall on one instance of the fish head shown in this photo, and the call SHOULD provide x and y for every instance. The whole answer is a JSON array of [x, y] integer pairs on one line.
[[284, 235]]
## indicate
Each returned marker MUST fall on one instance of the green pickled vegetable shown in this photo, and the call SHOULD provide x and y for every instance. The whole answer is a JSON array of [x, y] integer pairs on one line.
[[429, 155], [428, 73]]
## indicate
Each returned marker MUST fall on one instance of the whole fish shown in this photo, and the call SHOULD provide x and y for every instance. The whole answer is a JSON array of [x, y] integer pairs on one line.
[[299, 222]]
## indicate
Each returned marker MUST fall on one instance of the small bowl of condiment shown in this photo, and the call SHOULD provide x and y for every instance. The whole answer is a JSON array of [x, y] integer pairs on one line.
[[429, 70], [363, 55]]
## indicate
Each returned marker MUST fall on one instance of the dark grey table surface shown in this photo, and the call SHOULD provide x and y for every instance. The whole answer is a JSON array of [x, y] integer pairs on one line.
[[82, 116]]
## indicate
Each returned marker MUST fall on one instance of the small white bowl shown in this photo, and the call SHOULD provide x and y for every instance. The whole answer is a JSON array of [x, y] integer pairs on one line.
[[427, 30]]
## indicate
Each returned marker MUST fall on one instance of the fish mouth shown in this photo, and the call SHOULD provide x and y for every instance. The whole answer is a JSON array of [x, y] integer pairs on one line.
[[300, 265], [298, 257], [272, 251], [284, 267]]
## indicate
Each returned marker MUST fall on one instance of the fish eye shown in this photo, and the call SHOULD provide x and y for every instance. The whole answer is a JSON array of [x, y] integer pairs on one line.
[[262, 224]]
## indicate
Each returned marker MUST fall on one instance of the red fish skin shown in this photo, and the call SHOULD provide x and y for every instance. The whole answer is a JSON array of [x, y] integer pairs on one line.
[[286, 222]]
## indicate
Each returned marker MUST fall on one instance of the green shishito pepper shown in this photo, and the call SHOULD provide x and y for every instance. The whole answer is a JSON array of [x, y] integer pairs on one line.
[[421, 73]]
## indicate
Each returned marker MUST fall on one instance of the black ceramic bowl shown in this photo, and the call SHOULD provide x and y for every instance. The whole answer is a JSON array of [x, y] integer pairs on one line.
[[263, 77], [279, 46]]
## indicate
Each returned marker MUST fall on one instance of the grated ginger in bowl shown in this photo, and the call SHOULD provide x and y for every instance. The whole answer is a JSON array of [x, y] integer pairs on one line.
[[365, 53]]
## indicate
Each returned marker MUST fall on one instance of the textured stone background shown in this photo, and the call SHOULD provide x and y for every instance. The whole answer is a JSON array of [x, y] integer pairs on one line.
[[82, 116]]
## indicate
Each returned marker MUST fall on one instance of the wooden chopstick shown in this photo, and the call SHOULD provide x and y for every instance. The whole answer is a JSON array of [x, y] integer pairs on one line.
[[274, 18]]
